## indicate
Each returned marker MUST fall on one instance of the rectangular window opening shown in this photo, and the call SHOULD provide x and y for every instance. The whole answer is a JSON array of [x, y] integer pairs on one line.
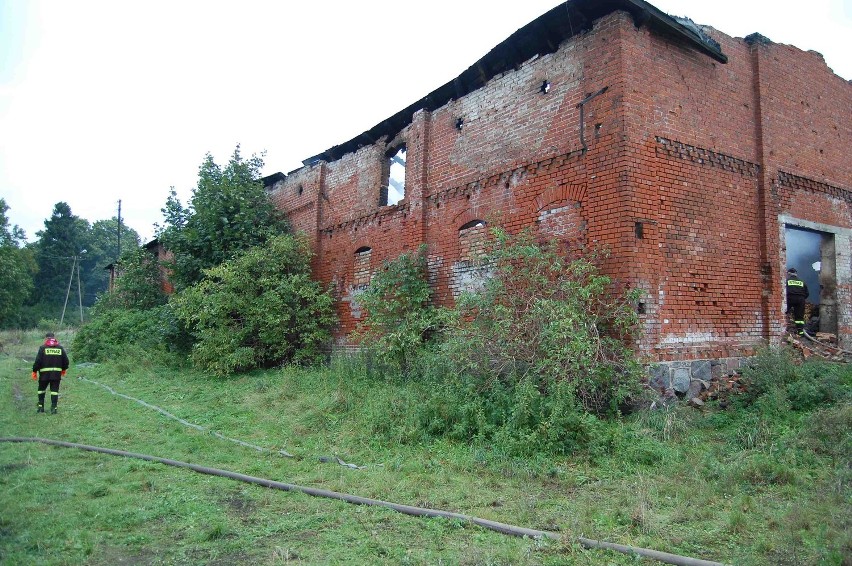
[[393, 187]]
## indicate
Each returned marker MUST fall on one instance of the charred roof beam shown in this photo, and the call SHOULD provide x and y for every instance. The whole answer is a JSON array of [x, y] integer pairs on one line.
[[541, 36]]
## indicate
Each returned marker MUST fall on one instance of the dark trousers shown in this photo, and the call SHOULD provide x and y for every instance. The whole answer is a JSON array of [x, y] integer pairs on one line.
[[796, 307], [43, 385]]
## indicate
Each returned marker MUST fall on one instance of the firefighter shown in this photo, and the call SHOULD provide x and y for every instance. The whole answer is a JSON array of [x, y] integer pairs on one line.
[[797, 294], [49, 367]]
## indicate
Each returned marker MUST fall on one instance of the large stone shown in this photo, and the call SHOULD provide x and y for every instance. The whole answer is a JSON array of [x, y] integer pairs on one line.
[[717, 369], [658, 377], [681, 379], [701, 369], [696, 386]]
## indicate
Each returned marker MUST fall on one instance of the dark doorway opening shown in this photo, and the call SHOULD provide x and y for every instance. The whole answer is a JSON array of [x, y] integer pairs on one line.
[[812, 254]]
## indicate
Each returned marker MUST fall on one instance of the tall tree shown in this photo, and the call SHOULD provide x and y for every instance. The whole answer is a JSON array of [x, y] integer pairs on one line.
[[17, 268], [65, 237], [229, 212], [9, 235]]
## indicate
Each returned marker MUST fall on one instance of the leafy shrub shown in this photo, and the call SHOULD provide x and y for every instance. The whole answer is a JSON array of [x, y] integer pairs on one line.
[[551, 321], [530, 361], [257, 310], [114, 333], [770, 369], [804, 386], [820, 383], [401, 319], [551, 423]]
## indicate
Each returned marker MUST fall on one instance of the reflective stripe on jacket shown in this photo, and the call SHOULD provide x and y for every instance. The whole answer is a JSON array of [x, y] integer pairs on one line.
[[50, 362], [796, 287]]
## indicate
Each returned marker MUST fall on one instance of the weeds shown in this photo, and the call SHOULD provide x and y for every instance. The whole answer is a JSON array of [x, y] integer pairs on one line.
[[765, 482]]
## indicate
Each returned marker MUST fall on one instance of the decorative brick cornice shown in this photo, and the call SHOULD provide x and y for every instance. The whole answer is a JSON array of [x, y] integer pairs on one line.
[[709, 158], [385, 211], [301, 207], [791, 181], [505, 177]]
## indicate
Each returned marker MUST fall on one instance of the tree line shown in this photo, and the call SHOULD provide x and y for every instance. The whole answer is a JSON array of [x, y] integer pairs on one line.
[[67, 260]]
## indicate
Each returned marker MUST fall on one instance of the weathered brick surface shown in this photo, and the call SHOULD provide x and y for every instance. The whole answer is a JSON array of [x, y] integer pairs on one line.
[[684, 169]]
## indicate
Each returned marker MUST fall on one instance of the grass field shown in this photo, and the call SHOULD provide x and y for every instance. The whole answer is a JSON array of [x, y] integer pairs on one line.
[[730, 486]]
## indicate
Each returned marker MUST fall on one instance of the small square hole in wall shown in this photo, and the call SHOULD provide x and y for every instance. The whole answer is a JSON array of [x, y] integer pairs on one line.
[[640, 308], [639, 229]]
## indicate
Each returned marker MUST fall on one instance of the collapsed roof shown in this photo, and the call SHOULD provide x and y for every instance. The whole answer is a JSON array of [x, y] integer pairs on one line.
[[539, 37]]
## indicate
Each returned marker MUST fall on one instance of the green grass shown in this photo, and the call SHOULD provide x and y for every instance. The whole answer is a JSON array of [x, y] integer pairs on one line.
[[731, 486]]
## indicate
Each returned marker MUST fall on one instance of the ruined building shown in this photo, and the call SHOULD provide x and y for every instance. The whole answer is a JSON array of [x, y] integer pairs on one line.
[[695, 157]]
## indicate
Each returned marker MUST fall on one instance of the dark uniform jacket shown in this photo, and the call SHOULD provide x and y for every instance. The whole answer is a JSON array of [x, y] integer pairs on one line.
[[796, 287], [51, 361]]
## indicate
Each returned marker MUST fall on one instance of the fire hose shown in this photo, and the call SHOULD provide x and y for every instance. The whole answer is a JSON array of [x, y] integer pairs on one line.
[[405, 509]]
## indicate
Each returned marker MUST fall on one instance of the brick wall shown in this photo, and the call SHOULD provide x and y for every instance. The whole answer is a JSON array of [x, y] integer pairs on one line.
[[684, 169]]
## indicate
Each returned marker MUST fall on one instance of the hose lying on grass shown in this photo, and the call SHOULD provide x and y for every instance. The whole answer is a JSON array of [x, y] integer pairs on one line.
[[213, 432], [406, 509], [184, 422]]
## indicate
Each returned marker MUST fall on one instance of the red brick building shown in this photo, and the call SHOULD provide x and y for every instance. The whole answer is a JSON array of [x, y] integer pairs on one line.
[[690, 154]]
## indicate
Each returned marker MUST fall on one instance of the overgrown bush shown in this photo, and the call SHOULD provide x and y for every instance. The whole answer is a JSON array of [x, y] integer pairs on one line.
[[133, 317], [774, 374], [530, 361], [257, 310], [401, 319], [139, 285], [550, 321], [113, 333]]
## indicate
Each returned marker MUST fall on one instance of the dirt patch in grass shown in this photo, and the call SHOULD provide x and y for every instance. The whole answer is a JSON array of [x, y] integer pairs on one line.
[[110, 555], [240, 505]]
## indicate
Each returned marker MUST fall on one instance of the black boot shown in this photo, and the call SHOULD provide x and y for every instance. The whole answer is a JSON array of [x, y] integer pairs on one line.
[[40, 408], [53, 409]]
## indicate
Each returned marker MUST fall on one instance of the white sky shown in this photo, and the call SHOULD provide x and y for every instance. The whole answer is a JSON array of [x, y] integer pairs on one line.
[[102, 100]]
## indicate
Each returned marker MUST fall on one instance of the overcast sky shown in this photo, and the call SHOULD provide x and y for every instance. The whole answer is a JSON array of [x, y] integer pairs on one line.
[[111, 100]]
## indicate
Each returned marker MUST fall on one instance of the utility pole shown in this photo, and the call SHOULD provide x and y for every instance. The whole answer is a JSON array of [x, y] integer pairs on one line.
[[80, 292], [68, 291], [118, 257]]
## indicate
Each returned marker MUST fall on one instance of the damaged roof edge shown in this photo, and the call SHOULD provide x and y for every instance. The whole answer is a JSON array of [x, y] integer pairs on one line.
[[270, 180], [541, 36]]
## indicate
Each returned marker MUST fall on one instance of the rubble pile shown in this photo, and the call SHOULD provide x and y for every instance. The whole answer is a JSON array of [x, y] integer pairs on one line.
[[822, 345]]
